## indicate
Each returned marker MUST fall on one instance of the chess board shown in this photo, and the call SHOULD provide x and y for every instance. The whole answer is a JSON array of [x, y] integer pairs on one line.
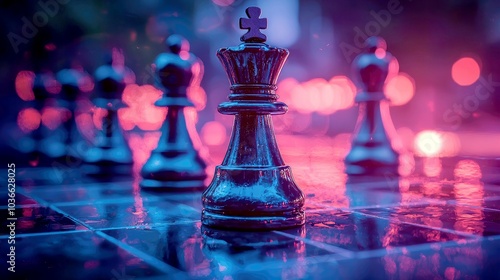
[[417, 227]]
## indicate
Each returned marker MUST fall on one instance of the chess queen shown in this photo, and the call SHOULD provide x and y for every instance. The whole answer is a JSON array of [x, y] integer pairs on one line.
[[253, 189]]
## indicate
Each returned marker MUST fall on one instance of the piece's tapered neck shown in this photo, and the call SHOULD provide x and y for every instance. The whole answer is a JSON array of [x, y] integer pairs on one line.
[[174, 132], [108, 123], [253, 142], [371, 125]]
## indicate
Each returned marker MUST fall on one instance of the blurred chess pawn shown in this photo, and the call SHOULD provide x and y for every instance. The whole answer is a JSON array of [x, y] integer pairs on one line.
[[33, 146], [110, 154], [371, 151], [65, 145], [175, 164]]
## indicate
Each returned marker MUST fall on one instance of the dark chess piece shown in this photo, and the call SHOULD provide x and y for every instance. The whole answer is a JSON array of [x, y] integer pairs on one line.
[[175, 165], [110, 155], [371, 152], [253, 189], [62, 144], [41, 94], [69, 148]]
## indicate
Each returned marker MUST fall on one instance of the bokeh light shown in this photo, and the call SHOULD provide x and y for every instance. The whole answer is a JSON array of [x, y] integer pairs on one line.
[[50, 47], [405, 138], [301, 122], [400, 89], [451, 144], [28, 119], [344, 91], [53, 86], [465, 71], [85, 125], [24, 85], [85, 118], [86, 84], [52, 117], [300, 100], [198, 96], [213, 133], [191, 119], [428, 143], [98, 117], [314, 90], [393, 68], [319, 95], [195, 92], [380, 53], [141, 111], [285, 88], [223, 3]]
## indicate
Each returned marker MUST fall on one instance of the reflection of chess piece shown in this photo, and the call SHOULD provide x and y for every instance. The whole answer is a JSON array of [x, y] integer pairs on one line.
[[385, 191], [215, 239], [371, 152], [372, 233], [110, 156], [250, 245], [175, 164], [253, 188]]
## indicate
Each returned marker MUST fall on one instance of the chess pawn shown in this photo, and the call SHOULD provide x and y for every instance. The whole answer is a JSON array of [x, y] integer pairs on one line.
[[110, 155], [253, 189], [175, 164], [67, 148], [41, 95], [371, 150]]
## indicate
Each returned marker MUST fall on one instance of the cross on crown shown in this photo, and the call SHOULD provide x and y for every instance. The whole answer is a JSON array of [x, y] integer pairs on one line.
[[253, 23]]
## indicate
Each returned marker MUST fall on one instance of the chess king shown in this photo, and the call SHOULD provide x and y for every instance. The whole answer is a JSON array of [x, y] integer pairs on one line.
[[175, 164], [253, 189], [371, 151]]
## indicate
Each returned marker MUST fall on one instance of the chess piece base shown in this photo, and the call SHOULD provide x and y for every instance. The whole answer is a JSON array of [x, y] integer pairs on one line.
[[246, 198], [174, 171], [175, 163], [193, 185], [379, 160]]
